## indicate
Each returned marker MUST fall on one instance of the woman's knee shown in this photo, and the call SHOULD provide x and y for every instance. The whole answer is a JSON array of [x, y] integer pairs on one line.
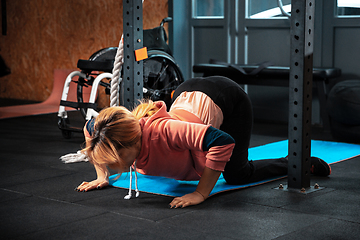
[[238, 176]]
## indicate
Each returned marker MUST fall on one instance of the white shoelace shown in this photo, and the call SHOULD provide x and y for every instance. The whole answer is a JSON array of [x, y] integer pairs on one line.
[[129, 195]]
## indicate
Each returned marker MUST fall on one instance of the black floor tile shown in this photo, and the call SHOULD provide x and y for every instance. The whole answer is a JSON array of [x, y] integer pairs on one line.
[[116, 226], [268, 195], [336, 204], [8, 195], [239, 220], [146, 206], [330, 229], [30, 175], [62, 188], [38, 200], [31, 214]]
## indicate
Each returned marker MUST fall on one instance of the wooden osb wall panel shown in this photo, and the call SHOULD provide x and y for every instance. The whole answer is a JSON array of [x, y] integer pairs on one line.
[[43, 35]]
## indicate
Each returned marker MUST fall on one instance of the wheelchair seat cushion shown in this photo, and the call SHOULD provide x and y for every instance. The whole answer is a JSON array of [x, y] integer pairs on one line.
[[88, 65]]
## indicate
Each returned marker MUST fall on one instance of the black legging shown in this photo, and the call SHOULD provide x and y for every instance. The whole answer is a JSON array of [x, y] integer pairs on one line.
[[237, 110]]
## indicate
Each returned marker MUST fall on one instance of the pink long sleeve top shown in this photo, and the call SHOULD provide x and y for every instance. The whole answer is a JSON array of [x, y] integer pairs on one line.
[[178, 145]]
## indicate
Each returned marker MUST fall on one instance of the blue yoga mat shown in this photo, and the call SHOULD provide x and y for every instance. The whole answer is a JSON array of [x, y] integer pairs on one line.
[[331, 152]]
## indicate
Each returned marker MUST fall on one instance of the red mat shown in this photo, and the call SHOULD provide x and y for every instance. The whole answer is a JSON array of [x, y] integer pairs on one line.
[[51, 105]]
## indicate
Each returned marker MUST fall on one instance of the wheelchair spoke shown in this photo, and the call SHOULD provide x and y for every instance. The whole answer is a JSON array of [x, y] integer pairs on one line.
[[160, 74]]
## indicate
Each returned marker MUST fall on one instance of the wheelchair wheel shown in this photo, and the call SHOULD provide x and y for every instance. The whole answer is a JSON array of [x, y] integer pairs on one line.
[[103, 55], [161, 77]]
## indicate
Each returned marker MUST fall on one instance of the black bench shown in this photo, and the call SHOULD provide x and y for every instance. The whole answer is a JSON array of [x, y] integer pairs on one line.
[[271, 76]]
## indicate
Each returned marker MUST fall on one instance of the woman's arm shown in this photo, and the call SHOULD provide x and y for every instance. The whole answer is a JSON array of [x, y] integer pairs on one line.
[[102, 172], [219, 146], [204, 188]]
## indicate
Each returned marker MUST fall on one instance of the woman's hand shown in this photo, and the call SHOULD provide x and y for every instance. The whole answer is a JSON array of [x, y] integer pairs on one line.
[[205, 186], [101, 181], [187, 200], [98, 184]]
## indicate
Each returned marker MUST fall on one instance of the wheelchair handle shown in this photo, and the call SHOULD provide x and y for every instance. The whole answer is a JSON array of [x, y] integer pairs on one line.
[[165, 20]]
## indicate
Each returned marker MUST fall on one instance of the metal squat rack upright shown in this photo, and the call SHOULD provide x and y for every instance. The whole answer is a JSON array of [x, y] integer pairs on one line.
[[300, 96], [131, 88]]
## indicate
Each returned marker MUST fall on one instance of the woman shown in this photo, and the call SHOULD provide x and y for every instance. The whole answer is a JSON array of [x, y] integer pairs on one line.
[[195, 140]]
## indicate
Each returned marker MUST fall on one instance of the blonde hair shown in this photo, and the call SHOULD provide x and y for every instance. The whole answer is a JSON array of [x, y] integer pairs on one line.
[[146, 108], [116, 128]]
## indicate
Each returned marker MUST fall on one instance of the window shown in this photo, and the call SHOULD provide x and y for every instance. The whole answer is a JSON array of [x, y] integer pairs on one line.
[[208, 8], [348, 7], [267, 8]]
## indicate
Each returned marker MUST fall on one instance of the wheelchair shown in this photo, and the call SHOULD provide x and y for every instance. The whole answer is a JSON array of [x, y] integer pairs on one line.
[[161, 76]]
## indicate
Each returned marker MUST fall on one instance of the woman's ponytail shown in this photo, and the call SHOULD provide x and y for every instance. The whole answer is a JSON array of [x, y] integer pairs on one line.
[[145, 109]]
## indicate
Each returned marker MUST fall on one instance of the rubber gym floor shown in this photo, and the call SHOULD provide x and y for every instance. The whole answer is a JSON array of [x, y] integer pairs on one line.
[[38, 200]]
